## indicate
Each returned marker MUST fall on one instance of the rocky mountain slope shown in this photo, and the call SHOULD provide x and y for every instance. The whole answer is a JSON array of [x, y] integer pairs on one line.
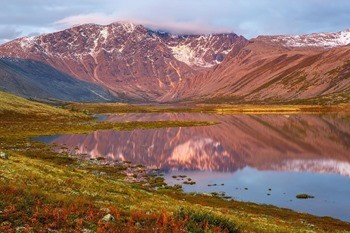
[[138, 64], [130, 60], [265, 71], [322, 40], [33, 79]]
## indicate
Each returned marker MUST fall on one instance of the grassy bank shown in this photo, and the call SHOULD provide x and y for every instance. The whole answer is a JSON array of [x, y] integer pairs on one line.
[[41, 189], [207, 108]]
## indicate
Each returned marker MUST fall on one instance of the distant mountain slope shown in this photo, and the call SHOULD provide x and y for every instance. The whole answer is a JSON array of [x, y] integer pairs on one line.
[[130, 60], [325, 40], [28, 78], [266, 72]]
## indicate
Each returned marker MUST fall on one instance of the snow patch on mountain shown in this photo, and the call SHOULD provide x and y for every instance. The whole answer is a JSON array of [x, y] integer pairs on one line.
[[104, 33], [187, 55], [27, 42], [128, 27], [327, 40]]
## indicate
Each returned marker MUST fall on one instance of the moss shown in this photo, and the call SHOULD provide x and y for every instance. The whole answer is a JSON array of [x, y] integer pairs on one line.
[[203, 221]]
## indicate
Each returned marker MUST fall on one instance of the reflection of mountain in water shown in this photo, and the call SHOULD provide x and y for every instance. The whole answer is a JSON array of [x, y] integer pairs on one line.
[[267, 142], [318, 166]]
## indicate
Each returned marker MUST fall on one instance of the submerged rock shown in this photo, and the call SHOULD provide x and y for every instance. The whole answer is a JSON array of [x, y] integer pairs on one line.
[[304, 196]]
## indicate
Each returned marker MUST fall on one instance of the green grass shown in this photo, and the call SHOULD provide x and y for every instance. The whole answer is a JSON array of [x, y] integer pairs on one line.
[[42, 189], [329, 99], [11, 105], [208, 108]]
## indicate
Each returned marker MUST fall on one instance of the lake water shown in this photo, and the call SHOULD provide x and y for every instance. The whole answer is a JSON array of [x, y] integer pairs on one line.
[[248, 154]]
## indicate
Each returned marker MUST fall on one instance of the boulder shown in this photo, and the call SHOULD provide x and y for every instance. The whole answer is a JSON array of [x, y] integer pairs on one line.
[[108, 218]]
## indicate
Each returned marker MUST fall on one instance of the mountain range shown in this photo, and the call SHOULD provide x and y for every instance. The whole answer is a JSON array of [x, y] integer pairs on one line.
[[128, 62]]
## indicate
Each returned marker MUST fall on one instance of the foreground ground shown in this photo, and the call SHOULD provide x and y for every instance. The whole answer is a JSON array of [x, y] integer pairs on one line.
[[41, 189]]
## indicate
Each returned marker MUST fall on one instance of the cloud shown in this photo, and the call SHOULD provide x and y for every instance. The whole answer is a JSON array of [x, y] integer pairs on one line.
[[176, 27], [97, 18], [246, 17], [7, 33]]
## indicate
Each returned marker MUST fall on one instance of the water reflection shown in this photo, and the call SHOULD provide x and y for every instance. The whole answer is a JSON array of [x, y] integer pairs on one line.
[[269, 142], [249, 146]]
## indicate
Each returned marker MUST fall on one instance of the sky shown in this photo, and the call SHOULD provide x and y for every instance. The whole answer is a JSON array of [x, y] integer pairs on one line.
[[249, 18]]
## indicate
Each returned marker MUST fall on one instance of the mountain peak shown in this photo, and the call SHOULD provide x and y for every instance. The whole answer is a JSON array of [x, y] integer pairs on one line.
[[124, 57]]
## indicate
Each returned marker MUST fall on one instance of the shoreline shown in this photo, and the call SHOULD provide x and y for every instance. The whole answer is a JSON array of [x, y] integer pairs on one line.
[[36, 182]]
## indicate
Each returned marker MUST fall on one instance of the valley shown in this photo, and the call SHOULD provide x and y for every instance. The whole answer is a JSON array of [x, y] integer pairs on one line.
[[38, 183], [123, 128]]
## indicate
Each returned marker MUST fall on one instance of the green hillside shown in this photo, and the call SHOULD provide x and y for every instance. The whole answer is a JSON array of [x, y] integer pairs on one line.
[[14, 105]]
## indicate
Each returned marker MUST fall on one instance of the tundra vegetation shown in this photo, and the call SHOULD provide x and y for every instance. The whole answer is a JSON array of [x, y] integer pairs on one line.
[[42, 189]]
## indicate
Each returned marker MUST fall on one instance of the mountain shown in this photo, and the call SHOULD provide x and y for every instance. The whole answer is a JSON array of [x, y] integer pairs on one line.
[[268, 71], [137, 64], [130, 60], [33, 79], [323, 40]]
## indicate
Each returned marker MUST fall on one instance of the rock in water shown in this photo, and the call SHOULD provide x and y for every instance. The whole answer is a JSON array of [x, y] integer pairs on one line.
[[304, 196]]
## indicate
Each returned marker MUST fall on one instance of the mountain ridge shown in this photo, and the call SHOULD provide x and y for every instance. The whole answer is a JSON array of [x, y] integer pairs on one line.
[[325, 40], [265, 72], [130, 60], [138, 64]]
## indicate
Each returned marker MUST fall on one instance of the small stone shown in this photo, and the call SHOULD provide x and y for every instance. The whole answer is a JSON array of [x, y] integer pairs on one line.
[[108, 218], [3, 155], [138, 225]]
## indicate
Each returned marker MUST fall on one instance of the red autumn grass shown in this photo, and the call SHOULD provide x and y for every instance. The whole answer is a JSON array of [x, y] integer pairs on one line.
[[35, 211]]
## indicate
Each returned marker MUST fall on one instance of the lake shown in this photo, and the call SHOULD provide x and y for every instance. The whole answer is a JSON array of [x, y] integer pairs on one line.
[[266, 159]]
